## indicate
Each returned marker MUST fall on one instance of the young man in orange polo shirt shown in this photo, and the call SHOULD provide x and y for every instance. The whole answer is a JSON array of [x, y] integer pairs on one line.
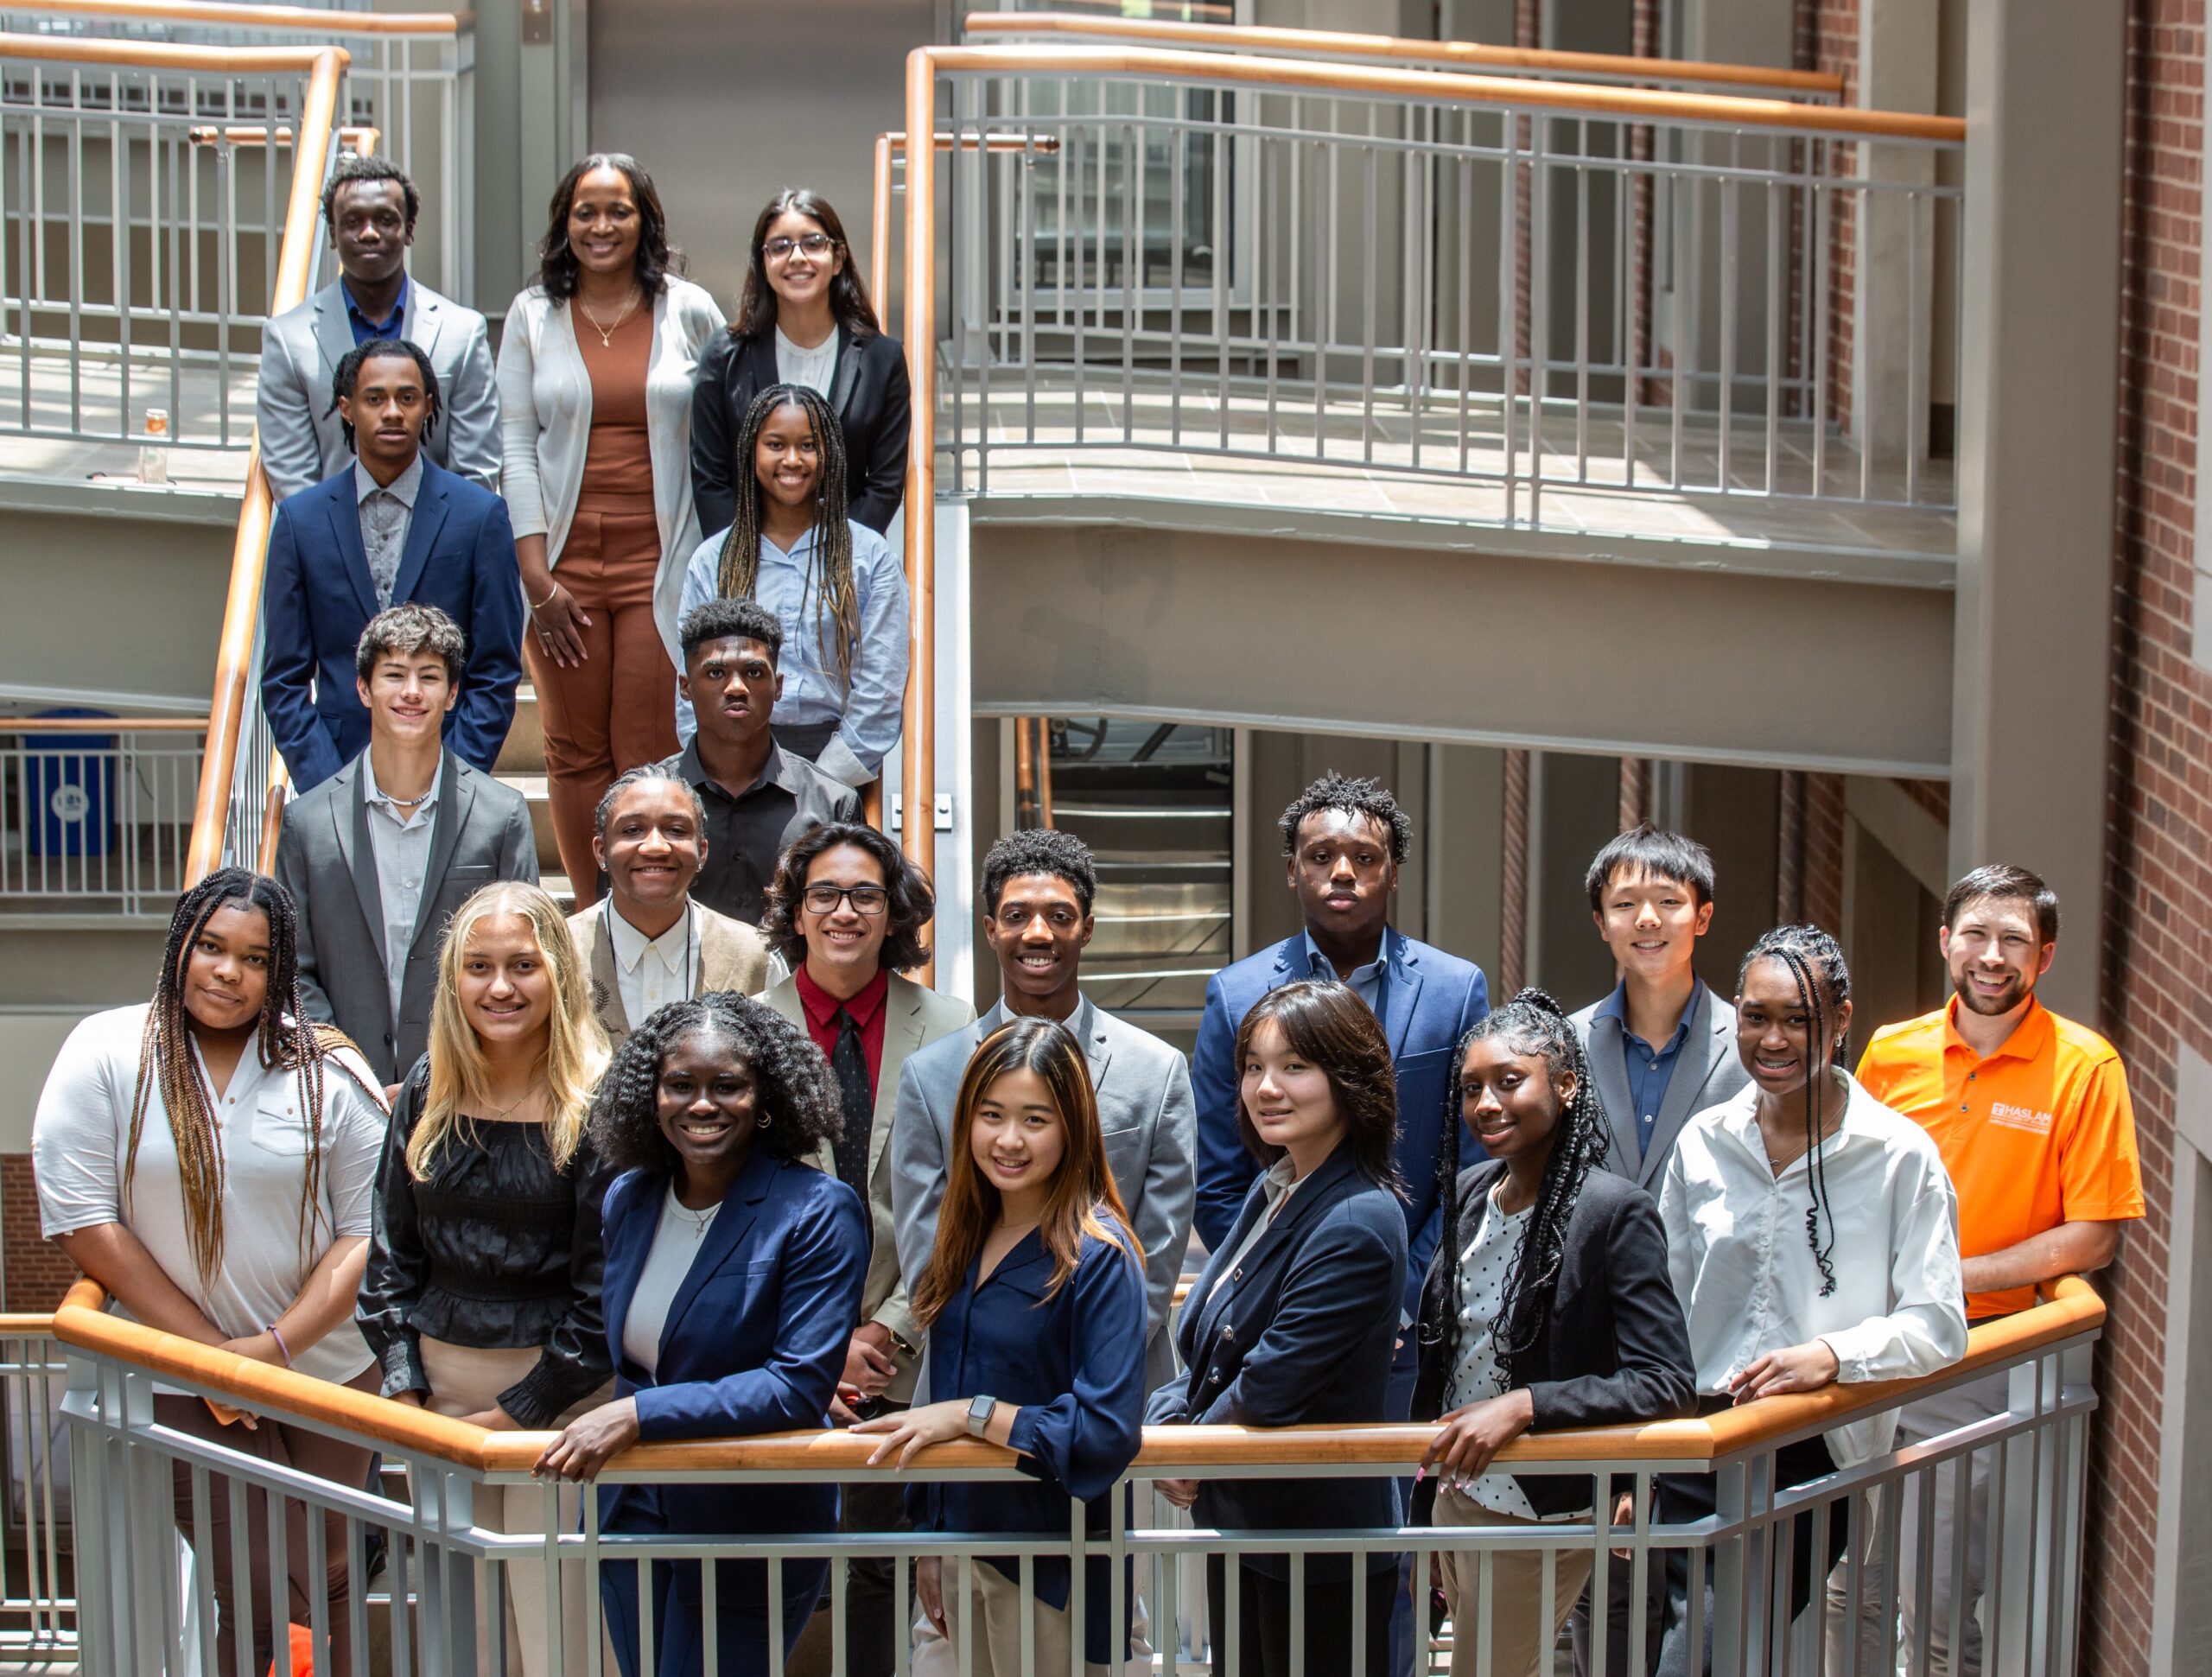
[[2031, 1116]]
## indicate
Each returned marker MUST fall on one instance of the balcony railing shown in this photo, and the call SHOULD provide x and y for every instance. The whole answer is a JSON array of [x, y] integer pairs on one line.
[[443, 1563], [96, 814]]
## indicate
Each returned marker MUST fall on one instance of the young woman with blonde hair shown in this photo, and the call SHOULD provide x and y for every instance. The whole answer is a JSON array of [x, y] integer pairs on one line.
[[1034, 1303], [482, 1296]]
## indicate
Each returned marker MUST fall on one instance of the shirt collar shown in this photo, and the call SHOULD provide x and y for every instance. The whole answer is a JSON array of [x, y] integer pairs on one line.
[[804, 545], [2029, 1038], [1279, 1183], [1744, 1118], [821, 1006], [403, 488], [390, 326], [631, 944], [1319, 964], [375, 796], [1615, 1007], [777, 771]]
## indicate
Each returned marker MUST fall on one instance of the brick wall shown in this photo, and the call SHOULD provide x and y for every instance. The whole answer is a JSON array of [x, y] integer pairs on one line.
[[1827, 40], [2158, 951], [1821, 879], [37, 1274]]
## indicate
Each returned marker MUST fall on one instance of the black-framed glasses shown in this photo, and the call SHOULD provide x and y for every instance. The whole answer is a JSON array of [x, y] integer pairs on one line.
[[866, 900], [815, 244]]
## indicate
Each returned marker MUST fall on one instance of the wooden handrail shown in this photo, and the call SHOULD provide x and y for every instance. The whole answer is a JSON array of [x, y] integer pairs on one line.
[[1648, 105], [164, 55], [250, 550], [305, 20], [2074, 1308], [361, 140], [1331, 44]]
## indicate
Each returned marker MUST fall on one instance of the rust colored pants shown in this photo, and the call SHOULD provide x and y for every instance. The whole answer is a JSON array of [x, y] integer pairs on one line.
[[617, 708]]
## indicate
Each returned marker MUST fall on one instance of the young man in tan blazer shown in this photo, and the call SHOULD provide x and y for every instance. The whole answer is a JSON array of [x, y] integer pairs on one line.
[[646, 943], [846, 911]]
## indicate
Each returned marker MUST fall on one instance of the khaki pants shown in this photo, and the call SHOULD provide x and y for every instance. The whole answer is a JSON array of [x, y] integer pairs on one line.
[[1521, 1635], [465, 1380], [995, 1601]]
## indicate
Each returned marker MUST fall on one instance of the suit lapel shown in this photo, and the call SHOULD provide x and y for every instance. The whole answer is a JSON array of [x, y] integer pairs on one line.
[[741, 1210], [605, 982], [1307, 1201], [1402, 994], [420, 324], [422, 527], [456, 797], [333, 332], [626, 1258], [902, 1035], [842, 383], [1090, 1026], [1607, 1067], [345, 510], [349, 813], [1707, 1041]]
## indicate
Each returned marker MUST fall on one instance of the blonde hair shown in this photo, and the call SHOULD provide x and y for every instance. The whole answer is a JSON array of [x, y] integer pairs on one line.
[[575, 1047]]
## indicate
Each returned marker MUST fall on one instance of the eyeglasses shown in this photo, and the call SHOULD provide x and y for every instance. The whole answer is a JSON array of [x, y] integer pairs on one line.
[[866, 900], [815, 244]]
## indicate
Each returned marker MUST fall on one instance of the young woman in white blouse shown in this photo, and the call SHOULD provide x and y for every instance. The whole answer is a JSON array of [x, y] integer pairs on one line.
[[596, 371], [1812, 1236], [209, 1158]]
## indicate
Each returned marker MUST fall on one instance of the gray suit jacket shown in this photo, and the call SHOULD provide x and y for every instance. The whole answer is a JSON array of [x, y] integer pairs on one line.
[[1707, 1072], [481, 833], [301, 440], [1150, 1123], [914, 1017], [732, 957]]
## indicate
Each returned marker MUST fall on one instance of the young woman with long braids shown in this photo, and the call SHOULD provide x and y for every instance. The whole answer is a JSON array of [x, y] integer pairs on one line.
[[1812, 1236], [481, 1297], [832, 584], [733, 1284], [209, 1158], [1034, 1304], [1550, 1306], [803, 317]]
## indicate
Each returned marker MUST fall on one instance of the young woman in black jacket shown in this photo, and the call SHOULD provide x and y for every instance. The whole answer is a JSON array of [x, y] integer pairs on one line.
[[1549, 1307]]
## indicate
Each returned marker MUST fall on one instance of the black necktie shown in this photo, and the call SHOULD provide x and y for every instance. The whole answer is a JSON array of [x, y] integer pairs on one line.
[[857, 1092]]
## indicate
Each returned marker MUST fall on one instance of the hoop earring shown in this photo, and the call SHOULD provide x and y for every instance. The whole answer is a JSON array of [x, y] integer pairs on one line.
[[763, 1121]]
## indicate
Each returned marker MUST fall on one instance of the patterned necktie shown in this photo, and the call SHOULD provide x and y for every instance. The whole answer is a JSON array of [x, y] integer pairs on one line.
[[382, 515], [857, 1092]]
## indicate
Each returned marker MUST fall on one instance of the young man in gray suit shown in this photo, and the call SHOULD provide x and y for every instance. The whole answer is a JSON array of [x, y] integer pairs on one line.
[[1038, 890], [1661, 1047], [370, 207], [848, 912], [379, 856]]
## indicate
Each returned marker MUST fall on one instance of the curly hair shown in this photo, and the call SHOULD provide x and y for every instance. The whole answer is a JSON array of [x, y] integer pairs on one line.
[[1328, 1026], [557, 266], [410, 630], [798, 1103], [353, 170], [1040, 850], [1362, 796], [914, 901], [730, 619]]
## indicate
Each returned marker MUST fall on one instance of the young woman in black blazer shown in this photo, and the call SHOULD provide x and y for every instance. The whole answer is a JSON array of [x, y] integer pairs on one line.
[[1294, 1323], [804, 319], [1549, 1307]]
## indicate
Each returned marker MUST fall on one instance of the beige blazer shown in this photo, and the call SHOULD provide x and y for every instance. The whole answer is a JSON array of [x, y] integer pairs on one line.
[[912, 1017], [732, 957]]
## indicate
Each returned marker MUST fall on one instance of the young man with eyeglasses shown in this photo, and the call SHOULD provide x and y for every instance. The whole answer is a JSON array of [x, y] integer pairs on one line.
[[847, 912]]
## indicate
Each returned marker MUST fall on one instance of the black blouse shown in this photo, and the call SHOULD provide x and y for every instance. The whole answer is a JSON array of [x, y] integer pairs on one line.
[[497, 1250]]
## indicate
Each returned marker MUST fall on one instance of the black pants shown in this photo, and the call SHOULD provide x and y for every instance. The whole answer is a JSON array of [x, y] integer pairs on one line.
[[1684, 1496], [1264, 1632], [871, 1632], [1610, 1594]]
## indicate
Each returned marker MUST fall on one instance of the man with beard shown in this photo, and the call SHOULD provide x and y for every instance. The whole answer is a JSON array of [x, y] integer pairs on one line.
[[2031, 1116]]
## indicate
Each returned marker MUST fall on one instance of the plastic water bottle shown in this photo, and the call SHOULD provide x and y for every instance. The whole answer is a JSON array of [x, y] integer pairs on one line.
[[154, 457]]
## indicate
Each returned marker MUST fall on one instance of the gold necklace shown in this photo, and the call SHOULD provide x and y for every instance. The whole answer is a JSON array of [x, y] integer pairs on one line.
[[606, 333]]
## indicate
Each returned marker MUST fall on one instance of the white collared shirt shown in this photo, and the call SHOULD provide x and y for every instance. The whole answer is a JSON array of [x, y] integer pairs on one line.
[[1277, 1184], [1744, 1269], [652, 972], [815, 368], [402, 848]]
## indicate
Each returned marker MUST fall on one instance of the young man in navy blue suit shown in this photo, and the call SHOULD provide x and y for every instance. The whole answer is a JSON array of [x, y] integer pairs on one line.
[[391, 529]]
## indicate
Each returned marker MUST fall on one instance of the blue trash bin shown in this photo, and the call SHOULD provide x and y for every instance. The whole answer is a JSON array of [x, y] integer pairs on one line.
[[69, 781]]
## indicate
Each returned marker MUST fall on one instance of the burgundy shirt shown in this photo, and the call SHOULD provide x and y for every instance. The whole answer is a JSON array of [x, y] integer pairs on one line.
[[866, 1009]]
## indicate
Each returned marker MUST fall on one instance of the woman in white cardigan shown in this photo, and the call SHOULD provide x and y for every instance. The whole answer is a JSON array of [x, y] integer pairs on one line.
[[596, 371]]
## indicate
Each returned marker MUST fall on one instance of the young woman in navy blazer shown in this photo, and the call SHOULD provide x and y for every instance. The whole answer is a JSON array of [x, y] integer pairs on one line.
[[1549, 1304], [732, 1284], [1034, 1302], [1294, 1323]]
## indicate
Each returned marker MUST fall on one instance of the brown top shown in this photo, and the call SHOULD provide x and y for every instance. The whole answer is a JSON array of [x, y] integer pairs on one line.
[[618, 456]]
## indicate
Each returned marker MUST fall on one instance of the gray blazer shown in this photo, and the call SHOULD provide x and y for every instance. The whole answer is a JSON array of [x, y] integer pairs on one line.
[[1150, 1123], [914, 1017], [1707, 1072], [480, 833], [301, 442]]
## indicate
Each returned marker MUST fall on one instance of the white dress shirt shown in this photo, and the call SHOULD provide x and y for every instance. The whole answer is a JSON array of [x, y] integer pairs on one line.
[[1744, 1269], [676, 1240], [814, 368], [401, 845], [1479, 1376], [82, 1132], [654, 971]]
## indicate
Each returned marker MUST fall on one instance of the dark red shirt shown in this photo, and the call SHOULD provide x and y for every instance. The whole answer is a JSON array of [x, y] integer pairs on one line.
[[866, 1009]]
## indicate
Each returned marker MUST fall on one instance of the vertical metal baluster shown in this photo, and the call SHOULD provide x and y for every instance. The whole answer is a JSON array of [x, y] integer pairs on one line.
[[239, 1610], [1132, 255], [1916, 390], [1777, 294], [1331, 249], [1414, 163], [709, 1620], [1220, 277], [1464, 273], [1027, 263], [1267, 277], [1509, 291], [980, 241], [1539, 306], [118, 190], [75, 153], [1635, 313], [1073, 278], [203, 1571], [956, 277], [1297, 1609], [1368, 298], [1582, 179], [1179, 165], [1729, 230], [1683, 202], [647, 1653], [1817, 333]]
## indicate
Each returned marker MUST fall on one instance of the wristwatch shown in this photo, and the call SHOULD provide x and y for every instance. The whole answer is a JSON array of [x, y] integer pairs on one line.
[[979, 1414]]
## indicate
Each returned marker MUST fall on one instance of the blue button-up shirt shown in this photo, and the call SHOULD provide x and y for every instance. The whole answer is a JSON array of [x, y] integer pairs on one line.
[[1365, 982], [1649, 1069], [365, 329], [867, 711]]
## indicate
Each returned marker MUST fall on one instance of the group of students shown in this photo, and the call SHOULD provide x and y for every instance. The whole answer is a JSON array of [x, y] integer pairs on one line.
[[552, 505], [759, 1215]]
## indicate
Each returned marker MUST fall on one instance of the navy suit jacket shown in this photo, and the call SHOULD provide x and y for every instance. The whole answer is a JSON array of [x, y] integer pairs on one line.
[[1430, 1000], [459, 557], [1299, 1334]]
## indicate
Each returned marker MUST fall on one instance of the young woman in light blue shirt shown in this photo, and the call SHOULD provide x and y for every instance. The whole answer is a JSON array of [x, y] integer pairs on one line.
[[835, 586]]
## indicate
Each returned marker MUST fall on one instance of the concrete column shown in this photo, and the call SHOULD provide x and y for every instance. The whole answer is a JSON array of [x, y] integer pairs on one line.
[[2038, 366]]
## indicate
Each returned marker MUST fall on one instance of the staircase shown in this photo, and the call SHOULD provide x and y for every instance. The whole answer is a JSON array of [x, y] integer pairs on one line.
[[521, 765]]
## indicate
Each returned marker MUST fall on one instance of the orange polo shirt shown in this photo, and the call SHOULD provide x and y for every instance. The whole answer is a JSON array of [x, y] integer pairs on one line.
[[2039, 1133]]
